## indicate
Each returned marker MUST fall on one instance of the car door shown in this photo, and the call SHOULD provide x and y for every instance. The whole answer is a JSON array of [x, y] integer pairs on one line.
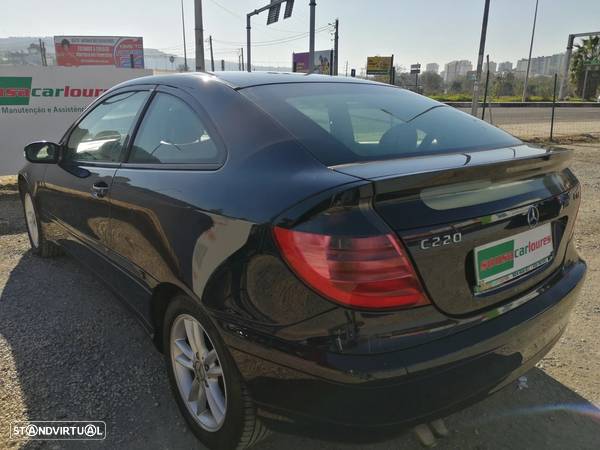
[[155, 223], [76, 191]]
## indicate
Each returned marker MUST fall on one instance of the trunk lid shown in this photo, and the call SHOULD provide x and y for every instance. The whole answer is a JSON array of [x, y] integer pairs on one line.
[[460, 214]]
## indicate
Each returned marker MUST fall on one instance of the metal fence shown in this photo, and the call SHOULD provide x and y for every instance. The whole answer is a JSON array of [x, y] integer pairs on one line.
[[534, 122]]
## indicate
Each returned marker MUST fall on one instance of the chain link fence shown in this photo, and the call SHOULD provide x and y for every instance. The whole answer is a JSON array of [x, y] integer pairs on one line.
[[534, 122]]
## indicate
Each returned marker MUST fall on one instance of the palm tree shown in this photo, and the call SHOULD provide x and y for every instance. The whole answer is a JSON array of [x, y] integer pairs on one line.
[[588, 50]]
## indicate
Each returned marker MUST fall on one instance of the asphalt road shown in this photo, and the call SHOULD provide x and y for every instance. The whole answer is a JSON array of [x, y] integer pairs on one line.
[[69, 350]]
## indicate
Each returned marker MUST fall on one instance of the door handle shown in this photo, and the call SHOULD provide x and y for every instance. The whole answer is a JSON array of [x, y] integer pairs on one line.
[[100, 189]]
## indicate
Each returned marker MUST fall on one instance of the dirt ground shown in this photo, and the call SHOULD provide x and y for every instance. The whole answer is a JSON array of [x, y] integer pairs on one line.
[[70, 350]]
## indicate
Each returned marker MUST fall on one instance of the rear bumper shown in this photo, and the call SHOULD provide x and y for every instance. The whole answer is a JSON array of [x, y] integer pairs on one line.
[[416, 384]]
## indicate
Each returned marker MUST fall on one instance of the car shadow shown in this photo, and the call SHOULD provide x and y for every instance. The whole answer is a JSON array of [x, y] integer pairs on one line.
[[540, 414], [70, 351]]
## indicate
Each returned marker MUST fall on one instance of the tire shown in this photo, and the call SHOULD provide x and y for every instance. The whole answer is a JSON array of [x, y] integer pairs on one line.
[[237, 427], [40, 246]]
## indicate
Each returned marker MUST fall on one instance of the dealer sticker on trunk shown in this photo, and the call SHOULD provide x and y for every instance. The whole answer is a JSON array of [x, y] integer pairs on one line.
[[506, 259]]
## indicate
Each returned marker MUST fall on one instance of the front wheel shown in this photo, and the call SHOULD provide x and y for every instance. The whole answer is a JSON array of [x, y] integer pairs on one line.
[[39, 245], [207, 386]]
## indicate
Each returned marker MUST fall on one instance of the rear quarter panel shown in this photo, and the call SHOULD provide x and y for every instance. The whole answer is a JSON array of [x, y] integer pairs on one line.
[[188, 227]]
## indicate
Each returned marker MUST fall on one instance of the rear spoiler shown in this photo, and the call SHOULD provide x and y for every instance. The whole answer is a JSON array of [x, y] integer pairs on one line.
[[415, 173]]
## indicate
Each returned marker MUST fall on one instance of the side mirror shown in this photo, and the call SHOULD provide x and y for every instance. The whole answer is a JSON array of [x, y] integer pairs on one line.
[[42, 152]]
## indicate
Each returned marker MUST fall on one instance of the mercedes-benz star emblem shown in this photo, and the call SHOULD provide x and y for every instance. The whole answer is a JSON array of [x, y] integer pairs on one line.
[[533, 216]]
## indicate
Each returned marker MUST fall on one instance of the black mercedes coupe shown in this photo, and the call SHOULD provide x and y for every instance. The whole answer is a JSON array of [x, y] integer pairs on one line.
[[314, 247]]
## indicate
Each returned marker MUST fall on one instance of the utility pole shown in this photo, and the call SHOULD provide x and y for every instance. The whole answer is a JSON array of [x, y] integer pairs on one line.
[[567, 62], [530, 50], [185, 65], [336, 38], [475, 104], [248, 33], [212, 58], [242, 49], [553, 108], [199, 30], [346, 67], [311, 37], [585, 80], [43, 53], [487, 82]]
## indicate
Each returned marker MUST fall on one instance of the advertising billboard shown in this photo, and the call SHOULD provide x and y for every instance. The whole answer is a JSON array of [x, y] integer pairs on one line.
[[39, 103], [123, 52], [379, 65], [323, 62]]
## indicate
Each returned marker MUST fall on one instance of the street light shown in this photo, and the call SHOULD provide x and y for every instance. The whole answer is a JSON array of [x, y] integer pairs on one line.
[[530, 50], [475, 103], [185, 64]]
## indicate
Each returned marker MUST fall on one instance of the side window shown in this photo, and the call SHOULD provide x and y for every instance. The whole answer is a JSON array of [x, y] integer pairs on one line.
[[172, 133], [100, 136]]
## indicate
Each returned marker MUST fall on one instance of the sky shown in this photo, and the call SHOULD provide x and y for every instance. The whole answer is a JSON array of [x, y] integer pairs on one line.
[[413, 31]]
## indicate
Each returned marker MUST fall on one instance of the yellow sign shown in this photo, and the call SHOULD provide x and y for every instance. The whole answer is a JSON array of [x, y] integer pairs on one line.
[[379, 65]]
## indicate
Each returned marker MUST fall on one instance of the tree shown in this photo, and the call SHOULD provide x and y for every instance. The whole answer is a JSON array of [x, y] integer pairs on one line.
[[504, 85], [405, 80], [541, 86], [432, 83], [457, 86], [588, 50]]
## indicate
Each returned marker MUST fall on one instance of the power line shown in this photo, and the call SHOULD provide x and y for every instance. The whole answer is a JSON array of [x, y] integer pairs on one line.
[[285, 41], [298, 36], [240, 16], [224, 8], [276, 41], [267, 43]]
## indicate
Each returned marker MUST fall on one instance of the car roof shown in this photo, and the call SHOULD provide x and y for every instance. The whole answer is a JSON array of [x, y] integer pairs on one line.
[[240, 80]]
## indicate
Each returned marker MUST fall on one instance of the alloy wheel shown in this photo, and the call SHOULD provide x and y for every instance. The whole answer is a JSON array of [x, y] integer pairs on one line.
[[198, 372]]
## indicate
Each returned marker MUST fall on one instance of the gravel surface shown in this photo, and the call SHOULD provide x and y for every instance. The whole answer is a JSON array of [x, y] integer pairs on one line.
[[70, 351]]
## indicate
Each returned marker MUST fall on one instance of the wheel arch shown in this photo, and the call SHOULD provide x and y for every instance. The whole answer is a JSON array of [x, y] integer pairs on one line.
[[22, 184], [162, 295]]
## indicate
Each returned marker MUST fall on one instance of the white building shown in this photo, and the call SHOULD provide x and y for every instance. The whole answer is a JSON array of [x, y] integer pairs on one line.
[[543, 65], [493, 67], [432, 67], [457, 69], [505, 66], [522, 66]]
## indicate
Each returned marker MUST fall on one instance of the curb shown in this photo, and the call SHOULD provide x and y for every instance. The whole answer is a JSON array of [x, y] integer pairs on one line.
[[527, 104]]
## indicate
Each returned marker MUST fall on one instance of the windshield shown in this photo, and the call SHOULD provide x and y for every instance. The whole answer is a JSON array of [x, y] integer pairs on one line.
[[342, 123]]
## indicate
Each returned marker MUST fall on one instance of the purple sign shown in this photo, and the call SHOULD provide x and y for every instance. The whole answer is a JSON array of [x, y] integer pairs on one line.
[[323, 64]]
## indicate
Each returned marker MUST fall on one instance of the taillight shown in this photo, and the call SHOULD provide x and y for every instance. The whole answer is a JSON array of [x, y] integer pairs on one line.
[[372, 272]]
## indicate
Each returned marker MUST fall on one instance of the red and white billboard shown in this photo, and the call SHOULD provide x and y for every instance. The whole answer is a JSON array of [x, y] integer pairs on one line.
[[116, 51]]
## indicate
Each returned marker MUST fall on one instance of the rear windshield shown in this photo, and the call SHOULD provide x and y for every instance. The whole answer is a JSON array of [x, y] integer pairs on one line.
[[348, 123]]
